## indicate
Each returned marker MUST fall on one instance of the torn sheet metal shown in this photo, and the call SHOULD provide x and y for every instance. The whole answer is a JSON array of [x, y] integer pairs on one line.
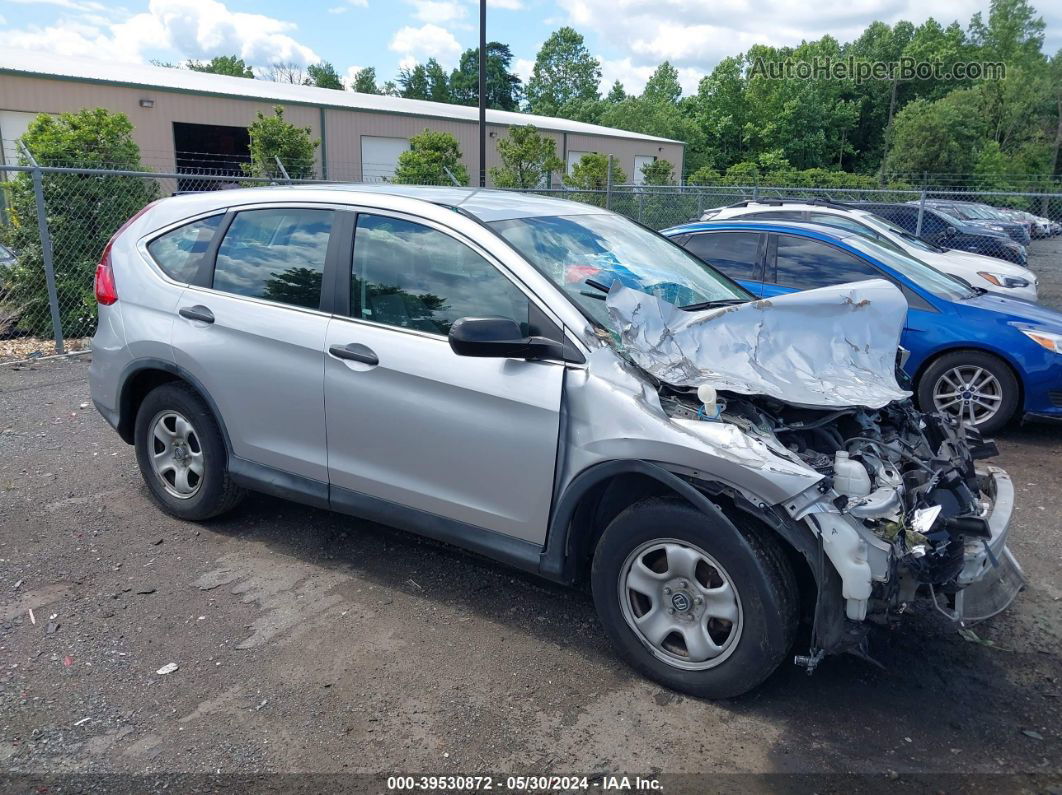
[[833, 346]]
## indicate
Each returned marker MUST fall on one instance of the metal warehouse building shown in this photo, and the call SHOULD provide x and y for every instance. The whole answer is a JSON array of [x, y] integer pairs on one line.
[[188, 121]]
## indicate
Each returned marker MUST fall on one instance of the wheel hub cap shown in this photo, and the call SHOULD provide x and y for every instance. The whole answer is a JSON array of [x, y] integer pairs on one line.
[[680, 603], [176, 455]]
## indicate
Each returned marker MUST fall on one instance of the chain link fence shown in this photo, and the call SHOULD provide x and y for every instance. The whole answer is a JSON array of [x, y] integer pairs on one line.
[[55, 222]]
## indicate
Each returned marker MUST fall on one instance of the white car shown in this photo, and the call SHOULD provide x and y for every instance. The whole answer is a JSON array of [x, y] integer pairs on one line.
[[988, 273]]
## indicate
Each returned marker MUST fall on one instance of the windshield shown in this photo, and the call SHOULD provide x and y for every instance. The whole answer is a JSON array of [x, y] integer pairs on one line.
[[928, 278], [583, 253]]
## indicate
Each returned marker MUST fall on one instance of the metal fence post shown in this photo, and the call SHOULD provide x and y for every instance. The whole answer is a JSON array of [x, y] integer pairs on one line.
[[283, 170], [46, 249], [608, 184], [921, 210]]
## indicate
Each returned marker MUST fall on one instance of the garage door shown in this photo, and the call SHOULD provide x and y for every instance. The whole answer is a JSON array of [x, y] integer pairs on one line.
[[640, 161], [379, 157], [13, 124]]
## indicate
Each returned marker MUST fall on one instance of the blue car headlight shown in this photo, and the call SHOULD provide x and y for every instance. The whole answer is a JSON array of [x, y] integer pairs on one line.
[[1045, 339]]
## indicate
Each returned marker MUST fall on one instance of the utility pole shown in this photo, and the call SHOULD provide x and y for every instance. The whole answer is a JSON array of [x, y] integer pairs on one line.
[[482, 93]]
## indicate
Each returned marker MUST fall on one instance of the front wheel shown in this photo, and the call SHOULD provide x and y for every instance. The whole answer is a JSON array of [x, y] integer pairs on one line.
[[691, 601], [977, 387]]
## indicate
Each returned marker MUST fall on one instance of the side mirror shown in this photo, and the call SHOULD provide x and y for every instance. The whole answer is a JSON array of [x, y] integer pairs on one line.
[[499, 338]]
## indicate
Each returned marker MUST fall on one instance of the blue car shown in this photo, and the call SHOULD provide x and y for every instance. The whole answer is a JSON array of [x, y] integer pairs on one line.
[[985, 357]]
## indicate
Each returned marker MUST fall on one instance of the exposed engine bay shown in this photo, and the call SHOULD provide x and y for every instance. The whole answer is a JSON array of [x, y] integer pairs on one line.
[[906, 480], [898, 504]]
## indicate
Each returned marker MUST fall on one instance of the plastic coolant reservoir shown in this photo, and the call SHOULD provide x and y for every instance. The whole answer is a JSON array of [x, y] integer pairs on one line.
[[710, 400], [850, 477]]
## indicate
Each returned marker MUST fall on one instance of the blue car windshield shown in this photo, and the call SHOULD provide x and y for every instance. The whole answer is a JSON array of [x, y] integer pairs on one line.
[[578, 252], [928, 278]]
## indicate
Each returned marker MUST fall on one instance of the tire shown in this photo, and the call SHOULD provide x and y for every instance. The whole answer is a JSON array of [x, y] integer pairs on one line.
[[996, 383], [188, 439], [746, 561]]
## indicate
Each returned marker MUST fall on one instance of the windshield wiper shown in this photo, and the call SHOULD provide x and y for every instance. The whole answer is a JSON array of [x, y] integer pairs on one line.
[[713, 304]]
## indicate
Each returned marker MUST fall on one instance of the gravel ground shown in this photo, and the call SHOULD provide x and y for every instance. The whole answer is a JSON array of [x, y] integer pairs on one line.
[[314, 643]]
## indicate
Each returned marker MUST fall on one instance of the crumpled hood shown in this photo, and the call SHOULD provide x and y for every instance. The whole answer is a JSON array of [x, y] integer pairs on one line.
[[833, 346]]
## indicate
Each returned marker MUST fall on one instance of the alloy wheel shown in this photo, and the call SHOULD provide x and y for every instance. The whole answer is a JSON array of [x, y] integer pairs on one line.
[[969, 392]]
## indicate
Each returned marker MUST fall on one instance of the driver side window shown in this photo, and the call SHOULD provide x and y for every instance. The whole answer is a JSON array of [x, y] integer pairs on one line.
[[411, 276]]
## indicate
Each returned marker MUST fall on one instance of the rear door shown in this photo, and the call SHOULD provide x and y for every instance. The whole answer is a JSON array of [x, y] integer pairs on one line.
[[737, 254], [253, 334], [409, 422]]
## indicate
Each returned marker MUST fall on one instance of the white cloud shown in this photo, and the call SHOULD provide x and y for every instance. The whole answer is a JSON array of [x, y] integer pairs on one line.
[[189, 28], [416, 45], [342, 9], [696, 35], [438, 12], [523, 67], [350, 74], [508, 5], [634, 76]]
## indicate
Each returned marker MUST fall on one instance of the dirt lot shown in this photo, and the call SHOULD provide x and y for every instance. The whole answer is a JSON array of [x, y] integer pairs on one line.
[[314, 643]]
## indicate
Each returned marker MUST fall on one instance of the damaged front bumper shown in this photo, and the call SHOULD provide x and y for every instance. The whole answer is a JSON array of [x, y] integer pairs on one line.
[[990, 578]]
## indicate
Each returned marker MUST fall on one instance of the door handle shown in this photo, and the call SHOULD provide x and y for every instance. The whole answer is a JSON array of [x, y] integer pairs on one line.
[[197, 312], [355, 352]]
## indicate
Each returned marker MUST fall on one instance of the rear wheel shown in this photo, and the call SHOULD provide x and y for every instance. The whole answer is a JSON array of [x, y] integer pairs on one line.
[[181, 454], [977, 387], [692, 602]]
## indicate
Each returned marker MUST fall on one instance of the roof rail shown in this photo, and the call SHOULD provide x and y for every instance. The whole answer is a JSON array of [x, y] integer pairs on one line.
[[778, 202]]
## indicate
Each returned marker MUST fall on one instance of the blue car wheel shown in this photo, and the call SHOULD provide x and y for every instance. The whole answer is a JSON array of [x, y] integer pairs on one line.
[[974, 385]]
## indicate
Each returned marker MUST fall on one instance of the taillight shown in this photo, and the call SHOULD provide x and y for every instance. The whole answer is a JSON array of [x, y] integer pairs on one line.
[[106, 292], [103, 283]]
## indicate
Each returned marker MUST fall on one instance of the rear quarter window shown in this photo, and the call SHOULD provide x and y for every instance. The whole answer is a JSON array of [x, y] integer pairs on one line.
[[179, 251]]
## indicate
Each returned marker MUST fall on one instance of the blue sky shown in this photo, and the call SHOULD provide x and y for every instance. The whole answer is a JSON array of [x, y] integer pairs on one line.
[[629, 36]]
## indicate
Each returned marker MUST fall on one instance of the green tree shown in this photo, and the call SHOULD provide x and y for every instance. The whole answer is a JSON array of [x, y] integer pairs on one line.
[[83, 212], [659, 172], [230, 65], [616, 94], [364, 81], [564, 71], [528, 158], [323, 75], [272, 138], [413, 82], [941, 137], [503, 87], [705, 175], [663, 85], [591, 173], [430, 155]]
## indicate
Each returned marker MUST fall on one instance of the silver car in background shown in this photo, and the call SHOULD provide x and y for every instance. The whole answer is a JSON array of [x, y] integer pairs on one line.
[[555, 387]]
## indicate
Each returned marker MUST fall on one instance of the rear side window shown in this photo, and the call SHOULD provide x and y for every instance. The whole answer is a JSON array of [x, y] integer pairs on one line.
[[276, 254], [737, 254], [179, 251], [842, 222], [804, 264]]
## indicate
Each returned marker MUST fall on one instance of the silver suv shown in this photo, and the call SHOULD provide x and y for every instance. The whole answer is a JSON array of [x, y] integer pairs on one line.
[[555, 387]]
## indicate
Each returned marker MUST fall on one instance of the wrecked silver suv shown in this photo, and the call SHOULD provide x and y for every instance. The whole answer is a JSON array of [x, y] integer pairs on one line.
[[556, 387]]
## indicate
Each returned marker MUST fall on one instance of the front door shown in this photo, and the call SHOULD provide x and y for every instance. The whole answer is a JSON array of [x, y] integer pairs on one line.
[[737, 254], [409, 421]]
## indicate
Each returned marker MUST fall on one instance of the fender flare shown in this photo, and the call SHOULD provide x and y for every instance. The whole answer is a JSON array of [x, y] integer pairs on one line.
[[126, 418], [556, 561]]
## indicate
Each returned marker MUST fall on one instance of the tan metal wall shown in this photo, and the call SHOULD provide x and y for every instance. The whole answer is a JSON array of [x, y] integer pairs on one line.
[[342, 134]]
